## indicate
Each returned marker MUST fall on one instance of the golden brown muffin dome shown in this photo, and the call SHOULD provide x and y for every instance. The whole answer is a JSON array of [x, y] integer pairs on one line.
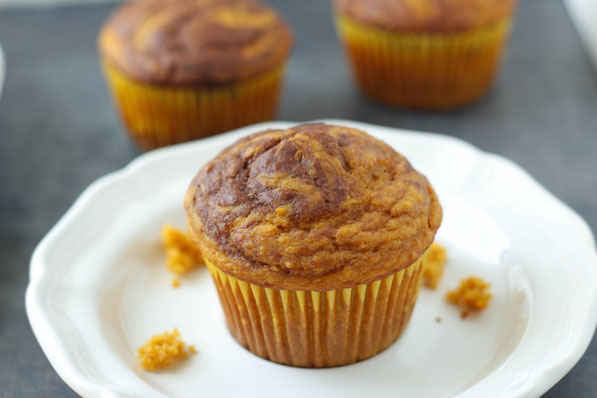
[[314, 207], [194, 42], [426, 15]]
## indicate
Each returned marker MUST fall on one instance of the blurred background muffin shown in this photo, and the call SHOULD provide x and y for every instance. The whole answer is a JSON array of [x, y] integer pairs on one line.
[[424, 53], [315, 238], [184, 69]]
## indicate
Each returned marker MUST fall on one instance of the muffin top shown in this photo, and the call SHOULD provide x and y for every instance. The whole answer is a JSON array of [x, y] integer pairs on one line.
[[194, 42], [426, 15], [314, 207]]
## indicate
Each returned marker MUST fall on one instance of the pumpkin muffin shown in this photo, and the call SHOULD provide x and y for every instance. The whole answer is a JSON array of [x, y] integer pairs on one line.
[[424, 53], [315, 238], [184, 69]]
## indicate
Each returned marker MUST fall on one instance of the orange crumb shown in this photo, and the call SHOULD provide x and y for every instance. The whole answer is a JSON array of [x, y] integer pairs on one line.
[[181, 253], [159, 351], [192, 349], [282, 211], [433, 265], [472, 294], [175, 282]]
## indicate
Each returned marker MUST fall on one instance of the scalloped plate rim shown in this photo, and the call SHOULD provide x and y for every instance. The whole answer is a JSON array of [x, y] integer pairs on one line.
[[543, 378]]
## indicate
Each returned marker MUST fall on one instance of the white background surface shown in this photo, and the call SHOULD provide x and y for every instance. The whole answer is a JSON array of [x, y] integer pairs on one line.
[[584, 15], [99, 288]]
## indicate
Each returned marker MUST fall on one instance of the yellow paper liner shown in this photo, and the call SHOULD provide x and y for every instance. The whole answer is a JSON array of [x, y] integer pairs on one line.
[[157, 115], [319, 329], [421, 70]]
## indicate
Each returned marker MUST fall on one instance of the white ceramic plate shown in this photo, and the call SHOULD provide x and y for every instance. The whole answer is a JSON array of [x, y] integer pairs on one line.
[[99, 288]]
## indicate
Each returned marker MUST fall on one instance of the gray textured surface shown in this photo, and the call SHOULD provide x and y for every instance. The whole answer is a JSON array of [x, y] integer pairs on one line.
[[58, 133]]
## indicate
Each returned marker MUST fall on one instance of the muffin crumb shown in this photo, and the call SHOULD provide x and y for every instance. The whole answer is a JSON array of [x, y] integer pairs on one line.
[[161, 349], [175, 282], [472, 295], [181, 253], [438, 319], [433, 266]]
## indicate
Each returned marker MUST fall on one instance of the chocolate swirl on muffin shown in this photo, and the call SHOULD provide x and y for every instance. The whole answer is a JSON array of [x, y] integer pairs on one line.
[[181, 42], [315, 205]]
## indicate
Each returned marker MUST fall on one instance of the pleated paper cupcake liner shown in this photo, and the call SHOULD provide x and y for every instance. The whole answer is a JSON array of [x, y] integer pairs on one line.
[[319, 329], [420, 70], [158, 115]]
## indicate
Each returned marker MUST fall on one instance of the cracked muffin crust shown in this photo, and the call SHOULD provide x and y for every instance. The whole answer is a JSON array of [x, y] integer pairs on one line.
[[314, 207]]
